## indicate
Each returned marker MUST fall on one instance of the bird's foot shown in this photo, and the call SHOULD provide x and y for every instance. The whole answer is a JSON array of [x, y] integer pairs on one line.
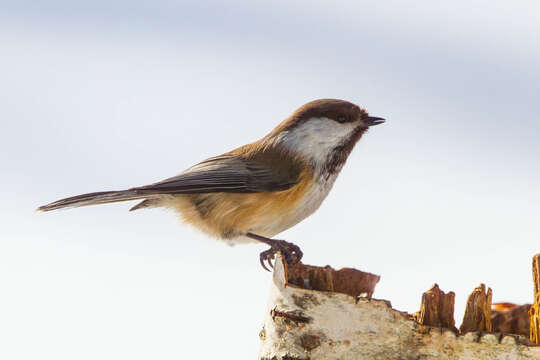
[[291, 253]]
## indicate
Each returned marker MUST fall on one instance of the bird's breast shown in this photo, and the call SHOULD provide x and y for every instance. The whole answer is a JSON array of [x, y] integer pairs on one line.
[[276, 212], [231, 215]]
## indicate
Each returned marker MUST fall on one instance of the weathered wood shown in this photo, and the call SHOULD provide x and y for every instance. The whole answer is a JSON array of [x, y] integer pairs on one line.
[[534, 312], [304, 324], [510, 318], [437, 309], [346, 281], [478, 311]]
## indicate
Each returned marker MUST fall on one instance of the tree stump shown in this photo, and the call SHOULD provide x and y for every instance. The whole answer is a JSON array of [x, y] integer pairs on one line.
[[305, 320], [478, 311]]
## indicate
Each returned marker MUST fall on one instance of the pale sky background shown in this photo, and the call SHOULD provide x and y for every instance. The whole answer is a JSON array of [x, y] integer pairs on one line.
[[107, 95]]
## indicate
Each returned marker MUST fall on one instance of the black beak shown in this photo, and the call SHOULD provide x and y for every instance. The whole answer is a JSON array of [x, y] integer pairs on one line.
[[372, 121]]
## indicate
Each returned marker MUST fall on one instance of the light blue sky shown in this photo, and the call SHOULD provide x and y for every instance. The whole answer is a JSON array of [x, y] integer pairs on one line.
[[100, 95]]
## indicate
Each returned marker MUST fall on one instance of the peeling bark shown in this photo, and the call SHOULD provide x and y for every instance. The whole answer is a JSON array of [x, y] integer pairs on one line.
[[305, 324], [478, 311], [437, 309], [510, 318], [346, 281], [534, 312]]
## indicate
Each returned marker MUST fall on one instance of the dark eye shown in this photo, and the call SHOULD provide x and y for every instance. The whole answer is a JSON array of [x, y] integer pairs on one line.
[[342, 118]]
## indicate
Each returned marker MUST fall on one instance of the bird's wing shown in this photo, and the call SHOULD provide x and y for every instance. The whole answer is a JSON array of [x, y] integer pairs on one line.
[[226, 173]]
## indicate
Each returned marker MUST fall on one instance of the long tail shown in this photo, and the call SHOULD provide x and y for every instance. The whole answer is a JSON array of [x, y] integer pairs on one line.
[[95, 198]]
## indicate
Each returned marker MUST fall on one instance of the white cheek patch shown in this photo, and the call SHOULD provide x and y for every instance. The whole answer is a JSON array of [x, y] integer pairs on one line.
[[316, 137]]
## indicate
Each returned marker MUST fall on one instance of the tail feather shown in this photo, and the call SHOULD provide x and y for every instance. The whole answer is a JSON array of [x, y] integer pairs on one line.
[[146, 203], [95, 198]]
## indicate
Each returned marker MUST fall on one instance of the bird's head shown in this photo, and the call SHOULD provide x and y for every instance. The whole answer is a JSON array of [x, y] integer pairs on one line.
[[323, 132]]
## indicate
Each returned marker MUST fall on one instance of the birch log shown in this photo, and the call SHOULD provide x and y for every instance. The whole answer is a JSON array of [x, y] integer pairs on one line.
[[306, 324]]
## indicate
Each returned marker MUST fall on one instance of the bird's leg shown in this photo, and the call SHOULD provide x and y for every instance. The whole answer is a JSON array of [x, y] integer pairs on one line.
[[291, 252]]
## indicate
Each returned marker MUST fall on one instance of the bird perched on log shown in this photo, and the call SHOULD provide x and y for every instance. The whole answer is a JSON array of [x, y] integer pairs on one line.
[[260, 189]]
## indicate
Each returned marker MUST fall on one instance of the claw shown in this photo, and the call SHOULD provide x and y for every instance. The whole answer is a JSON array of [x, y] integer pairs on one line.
[[262, 259], [290, 252], [267, 256]]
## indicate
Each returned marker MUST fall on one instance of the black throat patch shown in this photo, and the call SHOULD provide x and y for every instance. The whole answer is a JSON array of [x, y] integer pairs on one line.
[[338, 156]]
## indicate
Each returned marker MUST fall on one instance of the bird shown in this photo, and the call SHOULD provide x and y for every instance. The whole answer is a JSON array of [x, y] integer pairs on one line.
[[258, 190]]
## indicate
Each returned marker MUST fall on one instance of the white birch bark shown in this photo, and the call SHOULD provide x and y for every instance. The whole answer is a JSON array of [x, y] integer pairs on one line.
[[316, 325]]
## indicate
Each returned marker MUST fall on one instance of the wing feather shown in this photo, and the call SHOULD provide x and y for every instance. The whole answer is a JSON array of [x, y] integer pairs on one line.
[[225, 173]]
